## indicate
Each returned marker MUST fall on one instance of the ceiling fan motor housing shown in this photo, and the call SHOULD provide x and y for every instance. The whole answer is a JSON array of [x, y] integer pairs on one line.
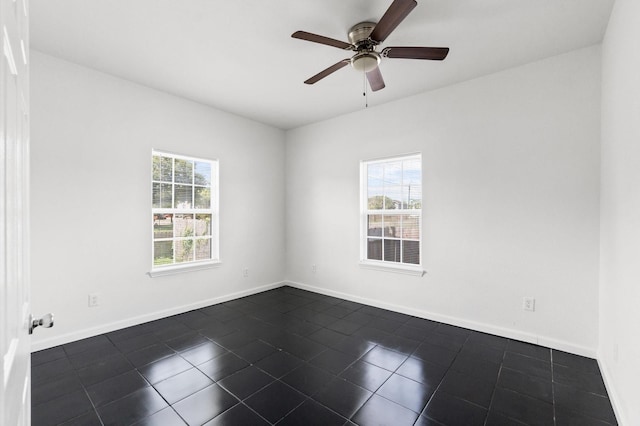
[[359, 34], [367, 59]]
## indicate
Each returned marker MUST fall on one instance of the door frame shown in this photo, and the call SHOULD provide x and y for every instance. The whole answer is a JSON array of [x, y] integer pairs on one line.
[[15, 343]]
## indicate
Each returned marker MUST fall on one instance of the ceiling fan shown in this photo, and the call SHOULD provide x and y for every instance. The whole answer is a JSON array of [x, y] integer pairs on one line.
[[364, 39]]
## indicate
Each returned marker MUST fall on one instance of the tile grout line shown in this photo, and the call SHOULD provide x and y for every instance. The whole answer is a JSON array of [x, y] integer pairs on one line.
[[495, 387], [423, 412]]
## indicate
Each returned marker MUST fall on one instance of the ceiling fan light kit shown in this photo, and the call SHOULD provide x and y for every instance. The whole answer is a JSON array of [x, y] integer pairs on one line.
[[365, 61], [365, 37]]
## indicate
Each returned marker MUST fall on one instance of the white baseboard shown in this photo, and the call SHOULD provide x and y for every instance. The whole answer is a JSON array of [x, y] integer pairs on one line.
[[459, 322], [611, 390], [117, 325]]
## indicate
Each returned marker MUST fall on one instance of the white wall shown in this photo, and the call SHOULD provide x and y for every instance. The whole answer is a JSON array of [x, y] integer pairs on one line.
[[511, 193], [619, 349], [91, 143], [511, 164]]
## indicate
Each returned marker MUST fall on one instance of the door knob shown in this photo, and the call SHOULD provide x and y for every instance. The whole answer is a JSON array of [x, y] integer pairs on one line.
[[46, 321]]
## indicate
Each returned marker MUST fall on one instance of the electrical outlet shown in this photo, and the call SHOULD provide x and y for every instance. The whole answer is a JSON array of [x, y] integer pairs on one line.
[[529, 304], [245, 272], [314, 268], [94, 300]]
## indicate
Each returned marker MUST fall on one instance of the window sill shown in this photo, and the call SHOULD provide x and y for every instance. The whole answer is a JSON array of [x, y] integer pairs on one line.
[[398, 269], [172, 270]]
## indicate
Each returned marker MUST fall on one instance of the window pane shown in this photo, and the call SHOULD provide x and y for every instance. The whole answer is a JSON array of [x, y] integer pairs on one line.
[[411, 227], [392, 226], [412, 172], [166, 169], [157, 160], [411, 252], [162, 195], [203, 225], [392, 250], [374, 249], [184, 196], [393, 197], [203, 198], [184, 171], [155, 203], [374, 225], [375, 174], [184, 225], [412, 183], [184, 250], [412, 196], [375, 186], [162, 226], [202, 174], [166, 195], [393, 173], [203, 249], [375, 201], [162, 253]]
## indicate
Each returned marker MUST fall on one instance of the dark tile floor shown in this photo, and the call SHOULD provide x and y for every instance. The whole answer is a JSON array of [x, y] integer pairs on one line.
[[291, 357]]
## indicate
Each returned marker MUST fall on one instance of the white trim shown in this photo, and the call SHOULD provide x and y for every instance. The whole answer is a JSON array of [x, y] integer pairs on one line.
[[392, 157], [24, 52], [117, 325], [178, 269], [365, 212], [508, 333], [182, 156], [9, 358], [611, 391], [213, 211], [8, 53], [398, 268], [25, 391]]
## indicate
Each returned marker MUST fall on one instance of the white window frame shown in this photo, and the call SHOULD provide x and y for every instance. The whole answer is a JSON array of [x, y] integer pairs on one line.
[[386, 265], [174, 268]]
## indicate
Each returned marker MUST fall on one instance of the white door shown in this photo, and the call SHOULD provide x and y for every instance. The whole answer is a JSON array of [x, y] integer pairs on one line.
[[14, 215]]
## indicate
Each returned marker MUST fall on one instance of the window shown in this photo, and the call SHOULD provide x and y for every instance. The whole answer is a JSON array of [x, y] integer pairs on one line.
[[391, 206], [184, 211]]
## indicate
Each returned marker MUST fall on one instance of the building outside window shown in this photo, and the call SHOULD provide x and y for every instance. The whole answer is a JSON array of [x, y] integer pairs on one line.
[[184, 210], [391, 212]]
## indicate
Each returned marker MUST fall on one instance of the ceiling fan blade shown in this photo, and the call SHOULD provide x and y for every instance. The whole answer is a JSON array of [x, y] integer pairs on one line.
[[322, 74], [375, 79], [303, 35], [396, 13], [432, 53]]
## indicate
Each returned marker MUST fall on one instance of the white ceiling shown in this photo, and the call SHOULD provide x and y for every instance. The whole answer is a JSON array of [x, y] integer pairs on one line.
[[238, 55]]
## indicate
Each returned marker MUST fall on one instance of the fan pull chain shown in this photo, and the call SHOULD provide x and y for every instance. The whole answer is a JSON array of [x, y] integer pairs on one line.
[[365, 92]]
